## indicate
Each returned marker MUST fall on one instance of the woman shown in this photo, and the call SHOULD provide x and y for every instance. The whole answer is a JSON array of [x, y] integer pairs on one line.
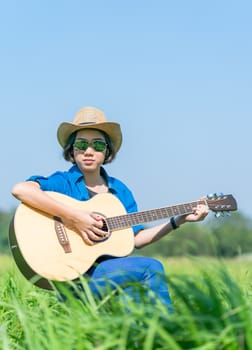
[[90, 142]]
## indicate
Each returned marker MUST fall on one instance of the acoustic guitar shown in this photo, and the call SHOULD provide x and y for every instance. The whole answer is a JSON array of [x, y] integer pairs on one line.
[[45, 251]]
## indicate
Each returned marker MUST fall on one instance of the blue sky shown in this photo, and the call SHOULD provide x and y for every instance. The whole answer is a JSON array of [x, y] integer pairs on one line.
[[175, 74]]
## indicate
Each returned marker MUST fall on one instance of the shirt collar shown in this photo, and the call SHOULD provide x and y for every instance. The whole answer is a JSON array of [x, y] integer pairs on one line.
[[77, 176]]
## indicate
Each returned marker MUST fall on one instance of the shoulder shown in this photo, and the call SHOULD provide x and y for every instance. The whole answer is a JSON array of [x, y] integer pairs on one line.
[[56, 180]]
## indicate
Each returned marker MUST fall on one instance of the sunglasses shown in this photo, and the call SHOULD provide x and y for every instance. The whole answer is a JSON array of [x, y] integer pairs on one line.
[[97, 145]]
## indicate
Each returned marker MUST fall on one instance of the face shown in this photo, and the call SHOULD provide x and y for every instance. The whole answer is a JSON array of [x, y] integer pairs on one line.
[[91, 158]]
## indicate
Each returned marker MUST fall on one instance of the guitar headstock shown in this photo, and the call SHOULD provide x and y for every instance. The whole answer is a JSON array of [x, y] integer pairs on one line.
[[221, 203]]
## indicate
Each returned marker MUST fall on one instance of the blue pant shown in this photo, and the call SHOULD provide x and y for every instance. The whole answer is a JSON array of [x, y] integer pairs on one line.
[[123, 272]]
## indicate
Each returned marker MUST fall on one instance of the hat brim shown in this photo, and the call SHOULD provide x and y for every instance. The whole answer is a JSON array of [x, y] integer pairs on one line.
[[112, 129]]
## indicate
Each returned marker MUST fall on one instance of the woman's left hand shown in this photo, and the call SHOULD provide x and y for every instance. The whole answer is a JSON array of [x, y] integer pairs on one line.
[[199, 214]]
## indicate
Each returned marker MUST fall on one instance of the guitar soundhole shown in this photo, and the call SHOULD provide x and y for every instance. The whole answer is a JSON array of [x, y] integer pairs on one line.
[[104, 228]]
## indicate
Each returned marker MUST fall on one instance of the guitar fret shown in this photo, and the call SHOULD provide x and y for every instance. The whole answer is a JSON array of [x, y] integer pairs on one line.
[[133, 219]]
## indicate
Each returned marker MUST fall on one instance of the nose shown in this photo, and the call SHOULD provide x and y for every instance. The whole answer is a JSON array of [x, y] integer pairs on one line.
[[89, 149]]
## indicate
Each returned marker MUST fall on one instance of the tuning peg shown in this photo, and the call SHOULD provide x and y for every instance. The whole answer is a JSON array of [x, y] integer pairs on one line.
[[211, 195], [220, 194], [222, 213]]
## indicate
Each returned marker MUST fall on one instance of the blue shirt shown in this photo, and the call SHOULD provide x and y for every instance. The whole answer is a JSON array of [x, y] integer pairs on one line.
[[72, 183]]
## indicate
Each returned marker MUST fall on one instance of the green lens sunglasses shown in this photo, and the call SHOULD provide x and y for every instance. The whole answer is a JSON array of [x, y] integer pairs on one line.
[[97, 145]]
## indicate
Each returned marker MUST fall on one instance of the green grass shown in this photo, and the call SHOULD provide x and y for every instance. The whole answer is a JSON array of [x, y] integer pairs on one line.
[[212, 301]]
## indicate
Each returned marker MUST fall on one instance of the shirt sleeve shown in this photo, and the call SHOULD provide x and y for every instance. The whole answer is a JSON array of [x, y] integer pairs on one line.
[[54, 182]]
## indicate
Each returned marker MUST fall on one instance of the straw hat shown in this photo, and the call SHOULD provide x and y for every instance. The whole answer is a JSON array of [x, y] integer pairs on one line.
[[90, 118]]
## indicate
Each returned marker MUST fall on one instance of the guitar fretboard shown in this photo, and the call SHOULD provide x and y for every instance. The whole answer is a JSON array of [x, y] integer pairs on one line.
[[129, 220]]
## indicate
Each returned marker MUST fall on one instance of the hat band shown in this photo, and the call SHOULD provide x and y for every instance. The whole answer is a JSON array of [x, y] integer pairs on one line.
[[86, 123]]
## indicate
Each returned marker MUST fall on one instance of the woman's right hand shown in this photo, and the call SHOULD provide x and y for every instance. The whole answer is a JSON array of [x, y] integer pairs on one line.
[[87, 224]]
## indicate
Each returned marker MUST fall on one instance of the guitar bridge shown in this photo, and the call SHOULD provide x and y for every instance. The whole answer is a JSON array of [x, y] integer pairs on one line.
[[61, 234]]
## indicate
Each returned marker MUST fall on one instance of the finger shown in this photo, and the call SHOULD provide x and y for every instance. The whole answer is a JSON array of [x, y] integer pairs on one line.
[[98, 220], [96, 234], [100, 233], [86, 239]]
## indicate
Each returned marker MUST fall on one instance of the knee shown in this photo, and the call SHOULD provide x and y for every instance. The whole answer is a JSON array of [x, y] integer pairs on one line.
[[155, 265]]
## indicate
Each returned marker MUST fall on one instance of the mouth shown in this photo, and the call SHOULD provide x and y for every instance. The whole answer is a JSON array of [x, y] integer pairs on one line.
[[88, 161]]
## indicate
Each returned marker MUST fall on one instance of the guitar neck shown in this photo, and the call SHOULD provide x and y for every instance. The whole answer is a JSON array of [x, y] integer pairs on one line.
[[129, 220]]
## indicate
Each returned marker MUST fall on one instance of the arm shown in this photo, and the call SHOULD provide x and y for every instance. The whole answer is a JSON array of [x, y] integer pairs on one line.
[[153, 234], [83, 222]]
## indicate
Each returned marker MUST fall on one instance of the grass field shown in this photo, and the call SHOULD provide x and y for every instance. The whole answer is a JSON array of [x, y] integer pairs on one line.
[[212, 311]]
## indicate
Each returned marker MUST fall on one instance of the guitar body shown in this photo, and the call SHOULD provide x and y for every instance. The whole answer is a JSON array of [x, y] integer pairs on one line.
[[45, 251], [40, 256]]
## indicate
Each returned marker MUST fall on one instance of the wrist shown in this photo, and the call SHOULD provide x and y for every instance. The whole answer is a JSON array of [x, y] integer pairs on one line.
[[180, 220], [174, 223]]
